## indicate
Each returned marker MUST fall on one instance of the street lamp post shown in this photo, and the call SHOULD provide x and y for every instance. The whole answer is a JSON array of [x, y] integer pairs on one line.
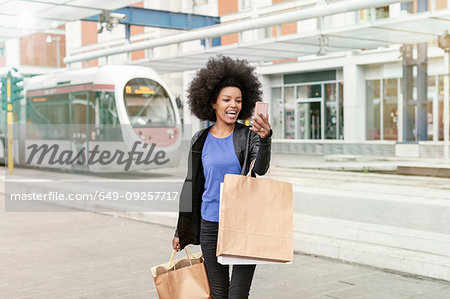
[[57, 39]]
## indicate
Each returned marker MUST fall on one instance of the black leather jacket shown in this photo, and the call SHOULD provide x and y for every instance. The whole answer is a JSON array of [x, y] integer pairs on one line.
[[248, 146]]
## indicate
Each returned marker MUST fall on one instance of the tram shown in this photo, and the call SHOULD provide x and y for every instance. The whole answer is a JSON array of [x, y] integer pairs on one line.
[[108, 108]]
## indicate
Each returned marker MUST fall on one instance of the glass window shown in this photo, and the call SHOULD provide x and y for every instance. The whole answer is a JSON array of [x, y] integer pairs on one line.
[[79, 118], [107, 120], [277, 113], [330, 111], [289, 112], [303, 92], [58, 113], [79, 111], [309, 91], [37, 112], [105, 107], [304, 121], [48, 110], [373, 109], [148, 104], [341, 110], [390, 111], [379, 13]]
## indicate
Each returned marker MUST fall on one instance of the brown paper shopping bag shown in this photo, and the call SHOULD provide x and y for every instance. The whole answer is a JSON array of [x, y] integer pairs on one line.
[[256, 219], [182, 278]]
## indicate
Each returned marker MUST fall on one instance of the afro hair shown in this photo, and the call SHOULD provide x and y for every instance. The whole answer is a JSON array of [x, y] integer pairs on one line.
[[220, 72]]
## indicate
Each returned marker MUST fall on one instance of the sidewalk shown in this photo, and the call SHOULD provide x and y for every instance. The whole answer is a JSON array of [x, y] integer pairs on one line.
[[86, 255], [410, 166], [388, 221]]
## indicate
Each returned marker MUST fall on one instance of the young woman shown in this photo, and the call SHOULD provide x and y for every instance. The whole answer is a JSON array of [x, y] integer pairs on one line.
[[223, 92]]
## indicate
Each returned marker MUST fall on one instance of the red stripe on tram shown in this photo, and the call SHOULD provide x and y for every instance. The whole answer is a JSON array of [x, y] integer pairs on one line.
[[70, 89]]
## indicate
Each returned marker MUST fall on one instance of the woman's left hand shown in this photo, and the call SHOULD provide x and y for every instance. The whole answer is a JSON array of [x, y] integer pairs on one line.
[[261, 125]]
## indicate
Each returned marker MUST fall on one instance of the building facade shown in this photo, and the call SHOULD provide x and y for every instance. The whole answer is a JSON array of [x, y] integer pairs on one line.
[[334, 101]]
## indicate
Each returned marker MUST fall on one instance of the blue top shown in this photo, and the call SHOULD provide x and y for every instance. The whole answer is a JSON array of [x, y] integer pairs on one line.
[[218, 158]]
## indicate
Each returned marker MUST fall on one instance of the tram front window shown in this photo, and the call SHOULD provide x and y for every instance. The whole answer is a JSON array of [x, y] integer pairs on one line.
[[148, 104]]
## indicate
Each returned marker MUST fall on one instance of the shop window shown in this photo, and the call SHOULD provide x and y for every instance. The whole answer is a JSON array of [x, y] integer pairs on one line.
[[309, 91], [289, 112], [277, 113], [330, 111], [313, 111], [373, 100], [390, 109], [387, 115], [341, 111], [431, 114]]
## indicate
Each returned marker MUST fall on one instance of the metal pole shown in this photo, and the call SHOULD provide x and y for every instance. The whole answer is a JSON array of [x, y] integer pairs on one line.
[[407, 87], [9, 117], [422, 92], [422, 83], [407, 110]]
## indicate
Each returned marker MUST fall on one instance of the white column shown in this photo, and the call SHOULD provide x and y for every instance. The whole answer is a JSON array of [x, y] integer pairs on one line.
[[354, 102], [399, 111], [381, 109], [436, 110]]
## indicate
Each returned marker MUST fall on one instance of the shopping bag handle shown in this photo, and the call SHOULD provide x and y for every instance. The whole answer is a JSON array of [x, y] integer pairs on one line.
[[173, 255], [252, 164]]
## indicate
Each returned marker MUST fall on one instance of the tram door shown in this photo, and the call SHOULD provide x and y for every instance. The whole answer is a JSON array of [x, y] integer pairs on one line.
[[79, 128]]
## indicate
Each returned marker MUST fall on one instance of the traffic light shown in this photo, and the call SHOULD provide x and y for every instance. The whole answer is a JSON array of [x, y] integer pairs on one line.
[[16, 90], [4, 98]]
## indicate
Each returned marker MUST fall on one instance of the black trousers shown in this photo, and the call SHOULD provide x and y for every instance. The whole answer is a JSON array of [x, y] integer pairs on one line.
[[219, 275]]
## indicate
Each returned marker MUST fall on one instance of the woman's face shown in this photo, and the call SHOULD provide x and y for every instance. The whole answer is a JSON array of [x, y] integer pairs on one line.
[[228, 105]]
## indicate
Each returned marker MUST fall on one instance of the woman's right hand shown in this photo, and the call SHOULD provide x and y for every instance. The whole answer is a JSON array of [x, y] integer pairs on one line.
[[176, 244]]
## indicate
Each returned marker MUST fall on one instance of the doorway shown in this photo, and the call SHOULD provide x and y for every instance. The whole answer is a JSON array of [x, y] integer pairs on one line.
[[308, 120]]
